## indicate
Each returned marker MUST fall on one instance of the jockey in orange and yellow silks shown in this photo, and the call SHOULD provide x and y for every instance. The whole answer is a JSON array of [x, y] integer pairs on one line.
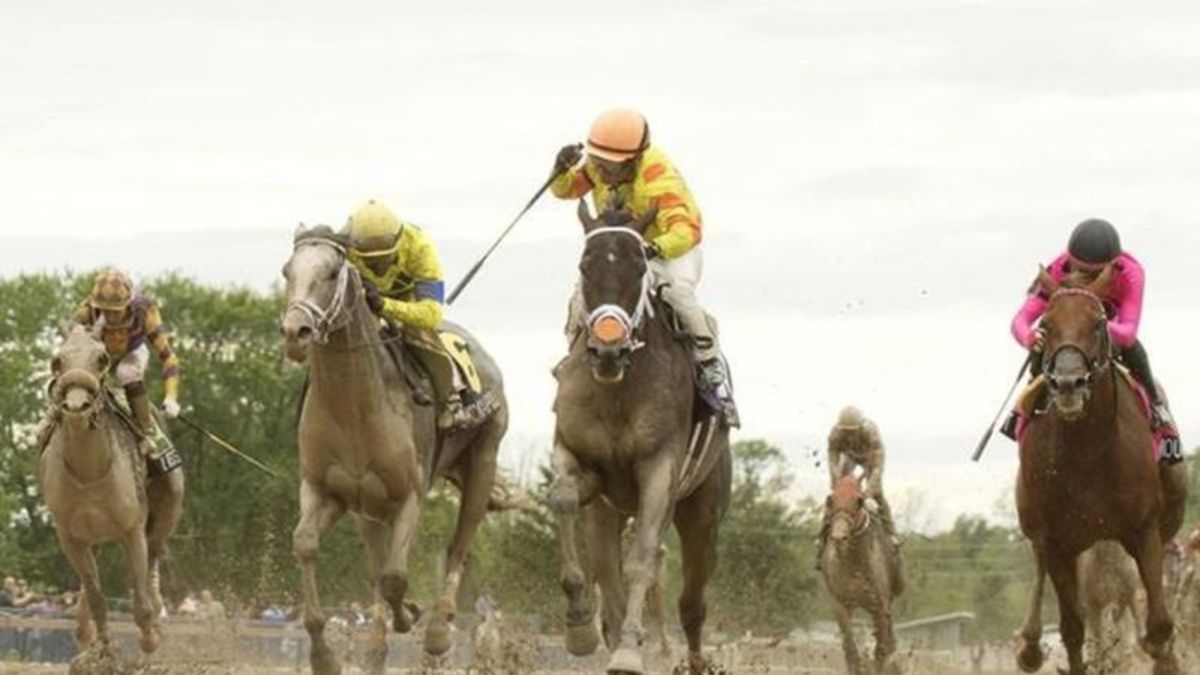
[[624, 171], [402, 279]]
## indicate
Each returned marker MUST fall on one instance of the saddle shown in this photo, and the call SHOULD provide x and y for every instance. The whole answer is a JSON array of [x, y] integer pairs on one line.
[[1034, 398], [709, 398]]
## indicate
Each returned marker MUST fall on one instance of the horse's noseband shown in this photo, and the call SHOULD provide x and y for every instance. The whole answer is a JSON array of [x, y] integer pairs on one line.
[[629, 322], [1096, 366], [333, 317]]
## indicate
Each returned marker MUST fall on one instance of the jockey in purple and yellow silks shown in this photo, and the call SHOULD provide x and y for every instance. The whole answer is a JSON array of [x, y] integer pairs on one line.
[[132, 326], [1093, 246]]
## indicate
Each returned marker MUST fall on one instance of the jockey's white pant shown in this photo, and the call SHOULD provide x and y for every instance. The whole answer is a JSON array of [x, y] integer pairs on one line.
[[681, 276], [132, 367]]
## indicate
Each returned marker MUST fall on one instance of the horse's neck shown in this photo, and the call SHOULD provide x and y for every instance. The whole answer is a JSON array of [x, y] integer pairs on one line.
[[86, 448], [346, 372]]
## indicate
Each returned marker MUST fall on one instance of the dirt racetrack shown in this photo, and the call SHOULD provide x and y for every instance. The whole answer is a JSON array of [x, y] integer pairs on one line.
[[199, 648]]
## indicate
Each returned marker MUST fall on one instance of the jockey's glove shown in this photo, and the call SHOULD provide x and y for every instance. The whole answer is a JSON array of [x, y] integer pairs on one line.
[[170, 408], [373, 296], [567, 157]]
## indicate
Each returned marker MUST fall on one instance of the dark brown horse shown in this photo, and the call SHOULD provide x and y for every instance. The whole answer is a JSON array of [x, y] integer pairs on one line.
[[627, 444], [1088, 473]]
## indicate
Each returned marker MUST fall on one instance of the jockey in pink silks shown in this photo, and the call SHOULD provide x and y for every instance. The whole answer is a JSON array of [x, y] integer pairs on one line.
[[1094, 245]]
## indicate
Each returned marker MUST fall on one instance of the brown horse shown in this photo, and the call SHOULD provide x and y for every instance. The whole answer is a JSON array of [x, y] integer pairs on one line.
[[1087, 472], [94, 481], [624, 446], [368, 447], [860, 573]]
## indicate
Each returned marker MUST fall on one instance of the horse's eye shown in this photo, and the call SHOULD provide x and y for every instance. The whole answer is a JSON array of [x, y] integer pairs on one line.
[[286, 270], [332, 274], [861, 501], [101, 361], [56, 365]]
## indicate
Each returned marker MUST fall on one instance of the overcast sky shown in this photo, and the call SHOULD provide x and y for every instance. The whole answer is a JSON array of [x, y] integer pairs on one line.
[[879, 179]]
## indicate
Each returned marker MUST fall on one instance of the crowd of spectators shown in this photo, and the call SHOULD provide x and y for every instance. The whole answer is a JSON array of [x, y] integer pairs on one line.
[[17, 597]]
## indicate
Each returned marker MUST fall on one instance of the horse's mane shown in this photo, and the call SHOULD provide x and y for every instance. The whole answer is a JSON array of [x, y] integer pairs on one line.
[[320, 233]]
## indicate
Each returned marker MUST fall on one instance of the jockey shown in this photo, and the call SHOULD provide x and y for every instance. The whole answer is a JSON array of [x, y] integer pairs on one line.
[[131, 326], [1093, 246], [623, 170], [402, 280], [855, 441]]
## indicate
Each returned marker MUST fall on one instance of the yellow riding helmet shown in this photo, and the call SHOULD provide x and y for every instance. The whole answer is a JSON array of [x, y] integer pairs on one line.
[[112, 290], [374, 231]]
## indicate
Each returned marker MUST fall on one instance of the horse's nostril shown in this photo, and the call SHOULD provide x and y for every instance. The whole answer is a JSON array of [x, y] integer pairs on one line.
[[304, 332]]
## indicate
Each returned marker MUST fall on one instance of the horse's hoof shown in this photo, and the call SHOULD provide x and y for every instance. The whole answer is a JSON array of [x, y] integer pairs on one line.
[[1030, 657], [149, 641], [1166, 664], [407, 615], [626, 661], [583, 640], [437, 636]]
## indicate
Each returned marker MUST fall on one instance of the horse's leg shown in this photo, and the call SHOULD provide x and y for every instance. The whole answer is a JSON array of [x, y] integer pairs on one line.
[[654, 512], [479, 474], [841, 614], [885, 636], [317, 512], [374, 536], [572, 485], [91, 601], [139, 572], [1070, 625], [602, 531], [393, 580], [1029, 640], [165, 497], [1159, 627], [581, 635], [696, 520]]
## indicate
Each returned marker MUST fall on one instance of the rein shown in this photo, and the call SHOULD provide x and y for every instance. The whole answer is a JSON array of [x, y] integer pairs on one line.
[[632, 322], [336, 316]]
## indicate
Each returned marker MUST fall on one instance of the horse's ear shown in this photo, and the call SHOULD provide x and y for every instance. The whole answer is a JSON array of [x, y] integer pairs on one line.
[[585, 216], [647, 219], [1102, 282], [1047, 282]]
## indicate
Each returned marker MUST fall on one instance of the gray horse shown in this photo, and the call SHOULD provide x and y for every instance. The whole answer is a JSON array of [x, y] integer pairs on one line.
[[632, 439], [369, 446]]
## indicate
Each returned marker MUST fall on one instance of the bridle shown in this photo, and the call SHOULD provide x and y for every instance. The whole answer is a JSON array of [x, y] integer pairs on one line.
[[334, 316], [1097, 366], [630, 321]]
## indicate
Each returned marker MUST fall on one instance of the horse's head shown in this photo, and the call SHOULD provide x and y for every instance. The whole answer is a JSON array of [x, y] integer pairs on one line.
[[321, 290], [1077, 348], [615, 286], [847, 509], [78, 369]]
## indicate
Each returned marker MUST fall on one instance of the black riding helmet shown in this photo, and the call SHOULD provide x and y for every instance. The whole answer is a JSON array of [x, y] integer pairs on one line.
[[1095, 241]]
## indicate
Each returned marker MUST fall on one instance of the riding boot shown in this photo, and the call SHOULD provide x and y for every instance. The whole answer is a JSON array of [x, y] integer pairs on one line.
[[889, 524], [139, 405], [454, 413], [1138, 362]]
